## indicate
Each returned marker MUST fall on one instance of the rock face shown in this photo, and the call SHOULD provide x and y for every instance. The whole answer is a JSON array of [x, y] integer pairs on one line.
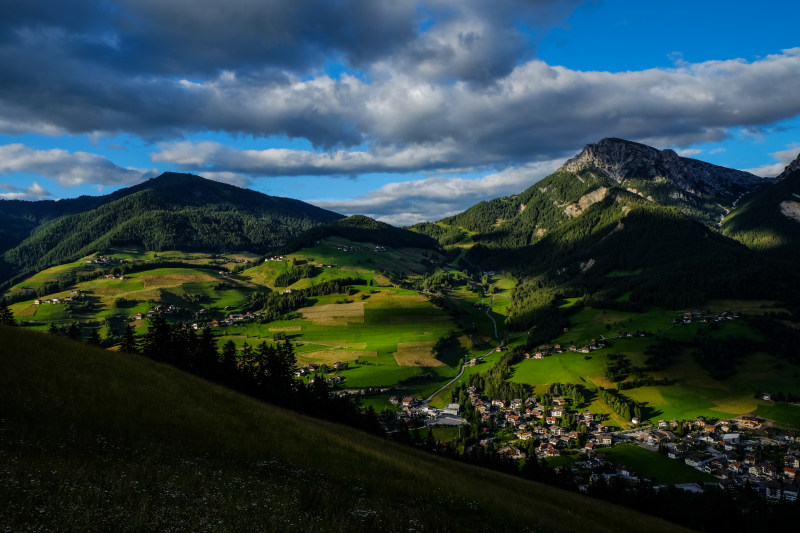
[[792, 167], [625, 160]]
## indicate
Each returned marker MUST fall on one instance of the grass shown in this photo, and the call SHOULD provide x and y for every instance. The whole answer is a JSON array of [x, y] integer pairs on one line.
[[93, 440], [654, 466]]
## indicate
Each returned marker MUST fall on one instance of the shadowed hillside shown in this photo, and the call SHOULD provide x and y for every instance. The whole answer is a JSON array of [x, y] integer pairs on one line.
[[95, 440]]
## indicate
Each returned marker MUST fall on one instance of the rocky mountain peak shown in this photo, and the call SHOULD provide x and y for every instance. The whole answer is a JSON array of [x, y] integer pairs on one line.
[[623, 160], [790, 168]]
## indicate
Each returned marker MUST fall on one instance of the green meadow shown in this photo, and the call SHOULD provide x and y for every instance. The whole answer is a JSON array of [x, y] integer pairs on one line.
[[694, 391], [656, 467]]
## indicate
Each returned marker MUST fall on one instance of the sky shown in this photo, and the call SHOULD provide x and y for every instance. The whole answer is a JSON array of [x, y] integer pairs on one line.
[[402, 110]]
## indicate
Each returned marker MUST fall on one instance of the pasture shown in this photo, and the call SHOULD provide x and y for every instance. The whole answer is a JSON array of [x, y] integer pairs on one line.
[[656, 467]]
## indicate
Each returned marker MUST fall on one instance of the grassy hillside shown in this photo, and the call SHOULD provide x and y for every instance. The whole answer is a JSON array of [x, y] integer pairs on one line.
[[92, 440]]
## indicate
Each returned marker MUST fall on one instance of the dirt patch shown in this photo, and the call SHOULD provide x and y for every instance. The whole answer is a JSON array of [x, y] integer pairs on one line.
[[287, 328], [416, 354], [172, 280], [334, 314], [329, 357]]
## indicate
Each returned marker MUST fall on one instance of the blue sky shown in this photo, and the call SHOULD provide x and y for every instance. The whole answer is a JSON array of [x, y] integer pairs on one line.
[[401, 110]]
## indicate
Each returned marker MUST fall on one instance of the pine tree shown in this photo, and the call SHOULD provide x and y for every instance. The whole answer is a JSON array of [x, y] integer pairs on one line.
[[53, 329], [229, 365], [207, 358], [74, 331], [94, 338], [6, 315], [157, 340], [128, 342]]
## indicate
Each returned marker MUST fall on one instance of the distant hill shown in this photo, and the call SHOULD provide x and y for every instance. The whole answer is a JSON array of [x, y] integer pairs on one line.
[[95, 440], [769, 220], [360, 228], [172, 211]]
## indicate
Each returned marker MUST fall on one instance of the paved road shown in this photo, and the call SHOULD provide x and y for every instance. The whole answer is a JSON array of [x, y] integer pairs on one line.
[[461, 372]]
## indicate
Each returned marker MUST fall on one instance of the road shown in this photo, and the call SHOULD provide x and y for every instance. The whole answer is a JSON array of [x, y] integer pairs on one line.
[[464, 366]]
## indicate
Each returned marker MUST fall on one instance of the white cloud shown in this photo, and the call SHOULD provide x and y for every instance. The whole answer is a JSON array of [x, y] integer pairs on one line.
[[409, 202], [68, 169], [784, 157], [689, 152], [34, 192]]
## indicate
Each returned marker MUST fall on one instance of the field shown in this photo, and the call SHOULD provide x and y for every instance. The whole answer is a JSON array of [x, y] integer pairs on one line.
[[386, 334], [656, 467], [694, 392]]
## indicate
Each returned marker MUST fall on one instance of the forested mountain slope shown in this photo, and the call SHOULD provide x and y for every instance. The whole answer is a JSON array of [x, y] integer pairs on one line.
[[173, 211], [769, 220]]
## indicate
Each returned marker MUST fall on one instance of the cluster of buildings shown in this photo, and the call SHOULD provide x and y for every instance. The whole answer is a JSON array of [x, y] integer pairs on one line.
[[158, 310], [411, 408], [695, 316], [544, 351], [104, 260], [733, 455]]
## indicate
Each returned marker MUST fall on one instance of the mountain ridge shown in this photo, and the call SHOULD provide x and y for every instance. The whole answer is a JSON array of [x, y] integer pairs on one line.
[[172, 211]]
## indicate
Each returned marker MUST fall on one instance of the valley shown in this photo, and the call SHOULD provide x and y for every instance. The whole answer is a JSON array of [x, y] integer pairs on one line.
[[604, 309]]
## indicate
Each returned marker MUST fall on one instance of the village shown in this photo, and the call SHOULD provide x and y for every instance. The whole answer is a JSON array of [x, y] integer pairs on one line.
[[745, 451]]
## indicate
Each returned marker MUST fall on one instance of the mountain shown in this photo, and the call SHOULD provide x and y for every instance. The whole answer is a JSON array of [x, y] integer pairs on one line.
[[622, 218], [172, 211], [360, 228], [97, 440], [699, 190], [769, 220]]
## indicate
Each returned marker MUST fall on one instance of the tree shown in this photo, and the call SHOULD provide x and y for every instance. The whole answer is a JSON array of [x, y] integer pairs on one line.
[[6, 315], [53, 329], [128, 341], [74, 331], [156, 342], [94, 338], [229, 365]]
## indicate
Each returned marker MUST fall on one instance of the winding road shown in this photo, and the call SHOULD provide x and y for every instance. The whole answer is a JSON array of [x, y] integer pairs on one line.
[[464, 366]]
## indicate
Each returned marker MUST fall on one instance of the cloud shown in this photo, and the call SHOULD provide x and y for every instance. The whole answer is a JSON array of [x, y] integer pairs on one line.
[[784, 157], [34, 192], [689, 152], [409, 202], [377, 85], [68, 168]]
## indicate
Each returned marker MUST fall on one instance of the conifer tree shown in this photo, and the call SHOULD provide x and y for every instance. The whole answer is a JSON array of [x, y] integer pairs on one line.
[[6, 315], [74, 331], [128, 341], [94, 338]]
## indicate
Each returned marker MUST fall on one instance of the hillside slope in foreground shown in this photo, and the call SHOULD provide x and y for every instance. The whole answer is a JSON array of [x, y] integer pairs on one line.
[[95, 440]]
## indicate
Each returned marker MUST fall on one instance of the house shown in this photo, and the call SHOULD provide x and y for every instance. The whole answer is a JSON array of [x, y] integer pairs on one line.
[[557, 412], [604, 439], [511, 452], [550, 420], [138, 316], [37, 302], [662, 423], [790, 493], [751, 422], [772, 491]]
